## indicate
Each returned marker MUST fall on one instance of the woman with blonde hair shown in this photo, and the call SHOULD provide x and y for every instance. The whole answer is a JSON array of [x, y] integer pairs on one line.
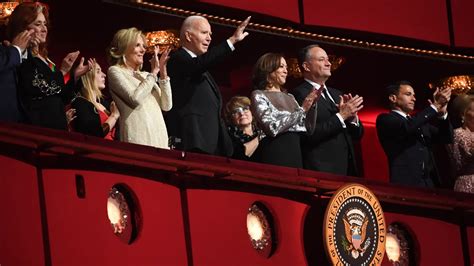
[[461, 151], [138, 96], [92, 117]]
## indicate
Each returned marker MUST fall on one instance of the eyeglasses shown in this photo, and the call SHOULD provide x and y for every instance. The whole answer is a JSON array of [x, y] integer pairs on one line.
[[240, 110]]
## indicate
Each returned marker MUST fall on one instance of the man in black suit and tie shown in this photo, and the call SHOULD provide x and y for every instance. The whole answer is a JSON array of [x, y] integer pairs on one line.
[[407, 140], [10, 59], [329, 148], [195, 116]]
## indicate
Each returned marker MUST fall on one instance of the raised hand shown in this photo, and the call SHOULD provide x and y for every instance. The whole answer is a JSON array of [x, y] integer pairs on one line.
[[82, 69], [154, 61], [22, 39], [349, 105], [240, 32], [441, 98], [68, 62], [165, 56], [70, 115], [114, 111], [310, 99]]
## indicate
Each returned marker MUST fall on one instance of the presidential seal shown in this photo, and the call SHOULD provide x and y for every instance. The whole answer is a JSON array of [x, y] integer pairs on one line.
[[354, 227]]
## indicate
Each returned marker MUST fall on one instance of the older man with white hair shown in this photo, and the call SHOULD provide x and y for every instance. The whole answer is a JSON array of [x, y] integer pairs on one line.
[[195, 118]]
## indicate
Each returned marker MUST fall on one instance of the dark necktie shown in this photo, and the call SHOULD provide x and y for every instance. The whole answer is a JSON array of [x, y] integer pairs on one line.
[[326, 96]]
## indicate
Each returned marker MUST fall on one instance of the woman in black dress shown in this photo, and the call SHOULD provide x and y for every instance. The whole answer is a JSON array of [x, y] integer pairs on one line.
[[42, 88], [242, 129], [92, 116], [278, 113]]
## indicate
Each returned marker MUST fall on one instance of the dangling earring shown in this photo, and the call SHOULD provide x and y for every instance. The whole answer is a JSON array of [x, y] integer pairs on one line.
[[124, 60]]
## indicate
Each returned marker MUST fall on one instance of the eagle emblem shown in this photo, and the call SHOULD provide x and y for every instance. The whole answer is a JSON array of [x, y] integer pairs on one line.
[[355, 227]]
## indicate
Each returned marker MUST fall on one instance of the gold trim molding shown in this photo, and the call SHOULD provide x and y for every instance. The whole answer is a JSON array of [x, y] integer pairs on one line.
[[292, 33]]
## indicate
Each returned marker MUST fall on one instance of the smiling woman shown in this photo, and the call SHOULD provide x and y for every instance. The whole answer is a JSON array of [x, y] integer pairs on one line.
[[42, 89], [278, 114], [139, 98], [242, 129]]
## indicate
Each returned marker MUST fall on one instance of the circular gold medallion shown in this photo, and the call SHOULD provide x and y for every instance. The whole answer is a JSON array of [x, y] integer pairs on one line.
[[354, 227]]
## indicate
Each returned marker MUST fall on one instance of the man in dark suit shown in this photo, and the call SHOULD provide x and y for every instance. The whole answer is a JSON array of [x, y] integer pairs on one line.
[[329, 148], [195, 116], [10, 59], [407, 140]]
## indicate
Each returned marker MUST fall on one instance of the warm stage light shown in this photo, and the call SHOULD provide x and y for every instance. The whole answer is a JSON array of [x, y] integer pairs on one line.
[[460, 84], [117, 211], [259, 228], [6, 9], [400, 246], [122, 212], [162, 38], [392, 247]]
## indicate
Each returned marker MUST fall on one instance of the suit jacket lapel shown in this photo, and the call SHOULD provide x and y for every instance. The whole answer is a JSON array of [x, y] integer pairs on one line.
[[213, 86]]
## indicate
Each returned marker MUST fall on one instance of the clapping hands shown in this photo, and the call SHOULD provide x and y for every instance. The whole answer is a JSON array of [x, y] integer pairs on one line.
[[158, 63], [441, 98], [349, 105]]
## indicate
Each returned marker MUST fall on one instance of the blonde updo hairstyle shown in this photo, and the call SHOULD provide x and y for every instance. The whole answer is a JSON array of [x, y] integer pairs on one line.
[[122, 41]]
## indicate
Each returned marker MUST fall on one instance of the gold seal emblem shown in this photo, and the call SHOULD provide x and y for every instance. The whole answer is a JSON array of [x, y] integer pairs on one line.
[[354, 227]]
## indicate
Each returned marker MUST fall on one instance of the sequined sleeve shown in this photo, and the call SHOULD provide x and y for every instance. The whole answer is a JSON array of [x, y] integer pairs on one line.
[[274, 121]]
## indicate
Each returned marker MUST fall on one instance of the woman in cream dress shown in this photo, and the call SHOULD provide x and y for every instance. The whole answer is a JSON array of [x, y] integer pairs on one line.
[[137, 94]]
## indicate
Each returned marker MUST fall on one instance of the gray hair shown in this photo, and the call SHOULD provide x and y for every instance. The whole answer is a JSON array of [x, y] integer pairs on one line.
[[188, 24], [303, 54]]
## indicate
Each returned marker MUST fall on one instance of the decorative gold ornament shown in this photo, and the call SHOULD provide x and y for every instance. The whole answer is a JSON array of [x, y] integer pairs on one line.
[[162, 38], [6, 9], [294, 68], [122, 211], [460, 84], [260, 229], [336, 61]]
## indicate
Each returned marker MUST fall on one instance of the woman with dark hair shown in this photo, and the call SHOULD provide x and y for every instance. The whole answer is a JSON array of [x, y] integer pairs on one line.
[[242, 129], [278, 113], [462, 150], [41, 87], [92, 117]]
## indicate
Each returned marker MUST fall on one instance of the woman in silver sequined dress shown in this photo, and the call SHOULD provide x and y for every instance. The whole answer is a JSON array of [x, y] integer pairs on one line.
[[278, 114], [462, 149]]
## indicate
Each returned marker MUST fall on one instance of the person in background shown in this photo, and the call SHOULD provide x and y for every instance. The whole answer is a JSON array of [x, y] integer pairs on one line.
[[139, 98], [10, 59], [91, 116], [330, 148], [278, 114], [196, 120], [242, 129], [461, 152], [42, 88], [408, 139]]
